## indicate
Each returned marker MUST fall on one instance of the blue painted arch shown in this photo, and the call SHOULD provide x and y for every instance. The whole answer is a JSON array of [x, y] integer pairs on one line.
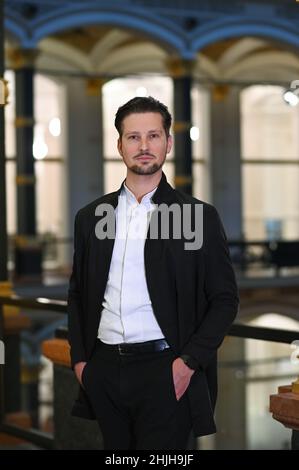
[[170, 36], [160, 30], [240, 26], [17, 29]]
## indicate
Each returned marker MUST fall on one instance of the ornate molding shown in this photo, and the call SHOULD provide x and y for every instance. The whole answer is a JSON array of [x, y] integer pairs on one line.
[[21, 58]]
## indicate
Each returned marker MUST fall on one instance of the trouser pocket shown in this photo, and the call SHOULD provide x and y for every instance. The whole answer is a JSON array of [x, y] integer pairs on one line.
[[84, 373]]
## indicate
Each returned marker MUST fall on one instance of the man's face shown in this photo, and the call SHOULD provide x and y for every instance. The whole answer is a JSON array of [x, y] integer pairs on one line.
[[143, 144]]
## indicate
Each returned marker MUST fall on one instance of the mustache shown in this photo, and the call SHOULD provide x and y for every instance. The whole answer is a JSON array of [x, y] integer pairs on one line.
[[140, 154]]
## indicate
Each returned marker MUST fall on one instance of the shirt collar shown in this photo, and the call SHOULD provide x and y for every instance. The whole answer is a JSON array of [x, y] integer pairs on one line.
[[131, 199]]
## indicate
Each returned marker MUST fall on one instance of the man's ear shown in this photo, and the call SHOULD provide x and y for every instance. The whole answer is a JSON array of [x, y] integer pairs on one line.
[[169, 143], [119, 146]]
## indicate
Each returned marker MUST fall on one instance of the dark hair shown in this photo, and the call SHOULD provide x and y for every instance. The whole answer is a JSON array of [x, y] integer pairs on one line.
[[143, 105]]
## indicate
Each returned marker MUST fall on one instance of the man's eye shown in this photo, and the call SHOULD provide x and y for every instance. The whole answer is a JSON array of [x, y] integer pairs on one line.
[[153, 136], [133, 137]]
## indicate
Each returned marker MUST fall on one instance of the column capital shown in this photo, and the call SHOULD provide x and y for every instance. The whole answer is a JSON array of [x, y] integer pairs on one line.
[[220, 92], [94, 86], [22, 58], [179, 68]]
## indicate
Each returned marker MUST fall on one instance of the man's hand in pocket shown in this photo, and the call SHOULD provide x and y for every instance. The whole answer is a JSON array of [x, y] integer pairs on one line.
[[79, 370]]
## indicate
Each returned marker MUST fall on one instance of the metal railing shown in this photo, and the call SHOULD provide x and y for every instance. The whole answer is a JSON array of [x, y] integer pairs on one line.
[[35, 436], [265, 253]]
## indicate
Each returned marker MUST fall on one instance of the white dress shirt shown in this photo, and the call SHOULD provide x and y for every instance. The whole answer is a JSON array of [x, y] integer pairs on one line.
[[127, 315]]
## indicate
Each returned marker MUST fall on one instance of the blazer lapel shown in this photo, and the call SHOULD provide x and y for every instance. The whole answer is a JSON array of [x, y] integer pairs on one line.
[[99, 259], [156, 270]]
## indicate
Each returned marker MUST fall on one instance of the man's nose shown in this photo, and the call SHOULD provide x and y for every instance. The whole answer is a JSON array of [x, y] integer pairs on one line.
[[144, 143]]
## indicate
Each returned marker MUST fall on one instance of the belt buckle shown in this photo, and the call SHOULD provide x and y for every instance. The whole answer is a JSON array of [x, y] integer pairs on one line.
[[121, 352]]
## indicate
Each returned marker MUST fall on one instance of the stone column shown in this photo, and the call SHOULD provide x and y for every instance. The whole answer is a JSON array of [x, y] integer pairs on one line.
[[225, 157], [28, 251], [181, 72], [84, 143]]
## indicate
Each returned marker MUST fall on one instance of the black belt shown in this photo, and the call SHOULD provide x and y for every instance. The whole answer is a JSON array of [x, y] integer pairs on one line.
[[155, 345]]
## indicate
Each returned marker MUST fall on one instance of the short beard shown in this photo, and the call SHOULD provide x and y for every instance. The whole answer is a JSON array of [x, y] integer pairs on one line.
[[147, 170]]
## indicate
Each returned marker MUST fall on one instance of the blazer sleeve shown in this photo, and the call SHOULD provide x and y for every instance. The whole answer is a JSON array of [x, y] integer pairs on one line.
[[220, 290], [75, 304]]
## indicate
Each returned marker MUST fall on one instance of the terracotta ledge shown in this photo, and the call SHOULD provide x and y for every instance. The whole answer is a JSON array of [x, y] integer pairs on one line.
[[58, 351], [284, 407]]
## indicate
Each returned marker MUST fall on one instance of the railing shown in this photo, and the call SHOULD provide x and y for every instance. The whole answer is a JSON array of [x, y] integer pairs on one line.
[[39, 438], [46, 440], [265, 253], [56, 251], [244, 253]]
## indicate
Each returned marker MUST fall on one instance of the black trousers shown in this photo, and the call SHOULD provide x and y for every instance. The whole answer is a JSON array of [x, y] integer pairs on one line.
[[134, 400]]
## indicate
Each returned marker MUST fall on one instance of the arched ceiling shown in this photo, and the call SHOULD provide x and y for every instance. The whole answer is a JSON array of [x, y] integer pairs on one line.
[[104, 50], [250, 57], [108, 50], [86, 38]]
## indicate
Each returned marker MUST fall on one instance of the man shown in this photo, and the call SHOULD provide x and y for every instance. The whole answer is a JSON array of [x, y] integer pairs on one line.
[[147, 312]]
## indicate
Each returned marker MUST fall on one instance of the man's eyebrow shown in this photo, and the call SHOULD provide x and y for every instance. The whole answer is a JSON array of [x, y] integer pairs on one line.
[[137, 132], [131, 132]]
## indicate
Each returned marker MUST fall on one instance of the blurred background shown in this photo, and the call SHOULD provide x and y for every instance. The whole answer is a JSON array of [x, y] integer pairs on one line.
[[229, 74]]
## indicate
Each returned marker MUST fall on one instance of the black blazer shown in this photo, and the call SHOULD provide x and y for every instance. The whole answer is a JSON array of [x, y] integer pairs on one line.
[[193, 293]]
